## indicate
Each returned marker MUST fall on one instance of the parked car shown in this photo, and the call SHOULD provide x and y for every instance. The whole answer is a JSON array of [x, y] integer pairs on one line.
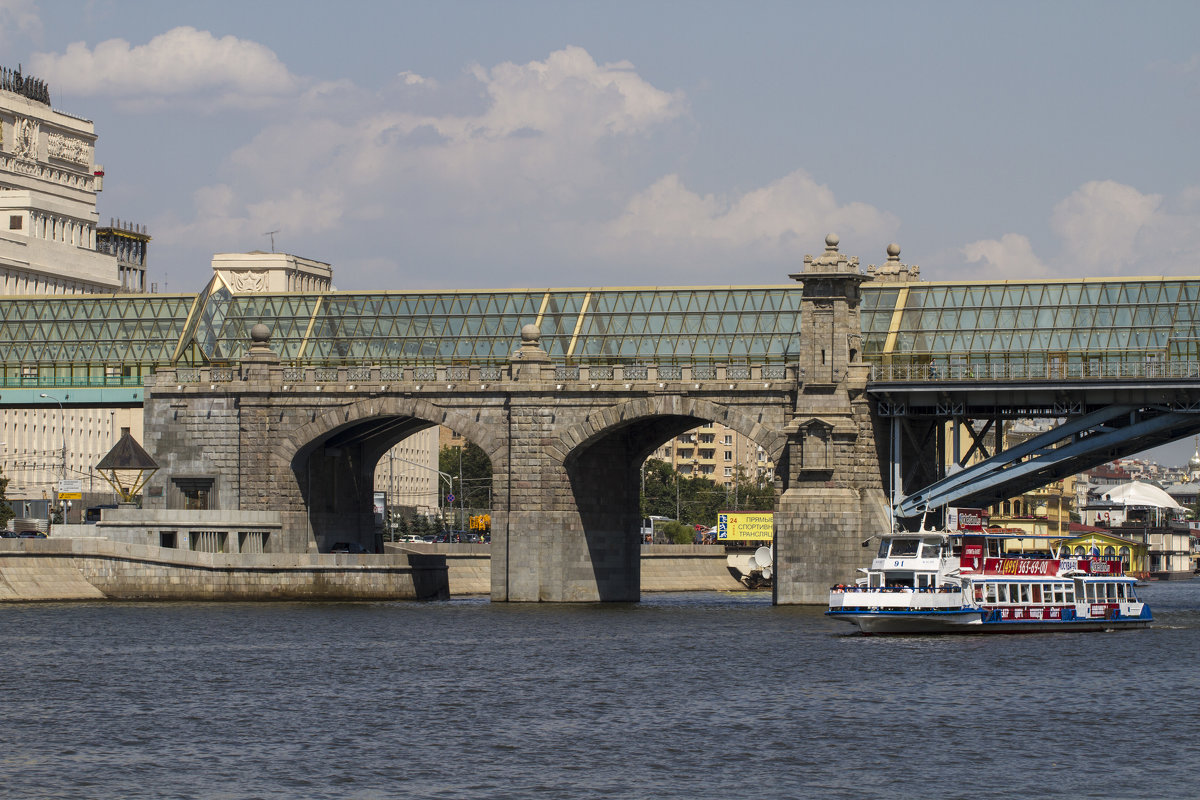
[[31, 535], [348, 547], [7, 534], [412, 537]]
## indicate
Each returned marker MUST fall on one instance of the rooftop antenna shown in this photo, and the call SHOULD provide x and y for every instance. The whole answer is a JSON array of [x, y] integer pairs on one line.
[[272, 235]]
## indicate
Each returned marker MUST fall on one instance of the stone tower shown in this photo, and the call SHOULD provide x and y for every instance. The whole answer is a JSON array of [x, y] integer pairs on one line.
[[833, 497]]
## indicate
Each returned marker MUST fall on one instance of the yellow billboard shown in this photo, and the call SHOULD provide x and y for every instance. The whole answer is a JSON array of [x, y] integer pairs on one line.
[[745, 526]]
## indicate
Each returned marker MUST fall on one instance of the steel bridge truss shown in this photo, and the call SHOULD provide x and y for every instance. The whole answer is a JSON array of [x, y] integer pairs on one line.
[[932, 442]]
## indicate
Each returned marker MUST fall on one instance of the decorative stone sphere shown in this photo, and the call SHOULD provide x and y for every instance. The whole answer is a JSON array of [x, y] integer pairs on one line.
[[260, 334], [832, 241], [893, 250], [530, 333]]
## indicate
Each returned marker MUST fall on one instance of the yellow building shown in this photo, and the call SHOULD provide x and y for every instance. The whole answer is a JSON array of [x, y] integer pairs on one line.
[[1134, 555], [718, 453]]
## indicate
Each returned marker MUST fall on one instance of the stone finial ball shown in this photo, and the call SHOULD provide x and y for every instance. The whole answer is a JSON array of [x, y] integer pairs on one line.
[[832, 241], [530, 333], [260, 333], [893, 250]]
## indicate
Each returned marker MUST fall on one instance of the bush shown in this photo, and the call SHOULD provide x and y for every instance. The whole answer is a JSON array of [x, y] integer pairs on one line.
[[678, 533]]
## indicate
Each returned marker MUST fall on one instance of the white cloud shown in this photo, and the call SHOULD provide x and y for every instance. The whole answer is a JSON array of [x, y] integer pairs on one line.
[[570, 93], [1104, 229], [781, 220], [1100, 222], [540, 172], [1007, 258], [183, 65], [411, 78], [19, 22]]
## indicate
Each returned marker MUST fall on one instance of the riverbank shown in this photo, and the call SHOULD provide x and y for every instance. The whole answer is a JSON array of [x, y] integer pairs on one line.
[[91, 568], [100, 569], [665, 567]]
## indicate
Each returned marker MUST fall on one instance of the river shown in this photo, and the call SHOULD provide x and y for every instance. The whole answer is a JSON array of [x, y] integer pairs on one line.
[[701, 695]]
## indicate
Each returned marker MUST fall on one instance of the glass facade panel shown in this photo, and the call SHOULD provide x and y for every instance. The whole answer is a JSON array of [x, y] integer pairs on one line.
[[1014, 325]]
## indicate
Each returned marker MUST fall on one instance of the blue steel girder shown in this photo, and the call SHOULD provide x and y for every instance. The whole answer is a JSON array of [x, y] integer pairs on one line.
[[1080, 443]]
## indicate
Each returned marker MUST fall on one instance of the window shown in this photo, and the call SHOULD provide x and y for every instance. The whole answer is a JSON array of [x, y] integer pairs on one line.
[[931, 548], [729, 455], [728, 472], [15, 221], [728, 439]]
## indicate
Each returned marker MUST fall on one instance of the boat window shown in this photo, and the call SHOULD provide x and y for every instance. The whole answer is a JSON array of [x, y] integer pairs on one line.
[[883, 548], [1069, 593], [904, 548], [993, 548], [978, 593], [1130, 592], [1125, 557], [1120, 591], [1036, 590], [1079, 551], [1110, 551], [1024, 592], [990, 594], [931, 548]]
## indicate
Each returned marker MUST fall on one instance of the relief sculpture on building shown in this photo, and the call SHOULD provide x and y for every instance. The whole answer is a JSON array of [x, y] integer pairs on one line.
[[248, 281], [25, 133], [68, 148]]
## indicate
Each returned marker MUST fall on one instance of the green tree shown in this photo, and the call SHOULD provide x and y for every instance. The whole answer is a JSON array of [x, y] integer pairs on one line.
[[679, 533], [692, 499], [6, 512], [472, 481], [751, 493]]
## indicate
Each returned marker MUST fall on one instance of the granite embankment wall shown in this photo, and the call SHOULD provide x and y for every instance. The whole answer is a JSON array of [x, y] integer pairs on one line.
[[99, 569], [665, 567]]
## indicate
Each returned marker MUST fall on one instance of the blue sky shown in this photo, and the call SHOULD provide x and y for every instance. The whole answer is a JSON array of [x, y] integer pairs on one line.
[[427, 145]]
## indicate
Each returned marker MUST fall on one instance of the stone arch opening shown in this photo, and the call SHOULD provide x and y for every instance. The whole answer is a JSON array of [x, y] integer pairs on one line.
[[335, 469], [602, 469]]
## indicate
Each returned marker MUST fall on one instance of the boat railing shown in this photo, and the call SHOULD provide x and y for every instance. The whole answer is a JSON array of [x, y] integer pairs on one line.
[[918, 598]]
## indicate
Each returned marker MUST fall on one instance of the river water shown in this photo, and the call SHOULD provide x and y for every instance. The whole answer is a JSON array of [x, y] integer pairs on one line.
[[680, 696]]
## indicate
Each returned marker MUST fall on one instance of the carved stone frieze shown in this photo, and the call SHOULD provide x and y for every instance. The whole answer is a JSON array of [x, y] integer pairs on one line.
[[69, 148], [249, 281], [25, 137]]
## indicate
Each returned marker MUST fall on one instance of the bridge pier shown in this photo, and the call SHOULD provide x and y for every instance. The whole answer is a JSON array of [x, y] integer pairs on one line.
[[832, 499]]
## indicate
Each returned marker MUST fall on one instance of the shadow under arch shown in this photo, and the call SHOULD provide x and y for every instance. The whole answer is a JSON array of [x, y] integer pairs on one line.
[[602, 464], [333, 460]]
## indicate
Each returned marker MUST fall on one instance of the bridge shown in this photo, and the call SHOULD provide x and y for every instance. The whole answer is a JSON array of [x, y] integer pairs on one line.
[[868, 395]]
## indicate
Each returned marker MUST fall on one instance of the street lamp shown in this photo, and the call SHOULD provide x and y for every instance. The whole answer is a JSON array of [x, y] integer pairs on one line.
[[62, 429]]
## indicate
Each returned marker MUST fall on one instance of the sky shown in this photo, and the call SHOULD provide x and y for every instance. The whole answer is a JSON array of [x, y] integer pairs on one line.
[[460, 145]]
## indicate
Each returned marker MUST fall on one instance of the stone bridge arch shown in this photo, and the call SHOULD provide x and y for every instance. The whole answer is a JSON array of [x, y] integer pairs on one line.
[[333, 456], [572, 533]]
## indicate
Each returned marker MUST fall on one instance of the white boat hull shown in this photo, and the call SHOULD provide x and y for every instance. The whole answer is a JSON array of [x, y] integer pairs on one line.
[[876, 622]]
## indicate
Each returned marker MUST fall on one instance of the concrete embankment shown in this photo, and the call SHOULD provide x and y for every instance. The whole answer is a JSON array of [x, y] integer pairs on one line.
[[98, 569], [665, 567]]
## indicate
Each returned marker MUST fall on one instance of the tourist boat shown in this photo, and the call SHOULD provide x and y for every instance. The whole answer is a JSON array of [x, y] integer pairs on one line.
[[935, 582]]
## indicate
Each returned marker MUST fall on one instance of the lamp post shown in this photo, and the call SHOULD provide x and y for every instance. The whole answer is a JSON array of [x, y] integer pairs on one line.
[[62, 466], [62, 429]]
